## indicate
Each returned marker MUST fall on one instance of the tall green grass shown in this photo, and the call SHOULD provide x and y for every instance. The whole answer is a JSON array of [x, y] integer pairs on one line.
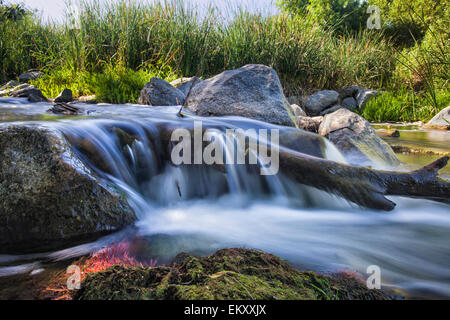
[[121, 45], [168, 34]]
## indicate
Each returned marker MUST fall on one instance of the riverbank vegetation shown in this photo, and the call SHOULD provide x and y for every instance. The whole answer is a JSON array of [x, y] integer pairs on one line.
[[113, 50]]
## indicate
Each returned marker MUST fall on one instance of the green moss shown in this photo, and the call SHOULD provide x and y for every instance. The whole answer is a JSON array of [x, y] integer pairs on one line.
[[227, 274]]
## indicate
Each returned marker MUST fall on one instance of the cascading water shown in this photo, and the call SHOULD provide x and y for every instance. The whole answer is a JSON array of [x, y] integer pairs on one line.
[[201, 208]]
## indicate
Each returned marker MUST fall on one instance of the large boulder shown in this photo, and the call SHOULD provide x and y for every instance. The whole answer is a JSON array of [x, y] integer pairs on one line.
[[320, 101], [440, 120], [48, 195], [253, 91], [357, 140], [159, 92]]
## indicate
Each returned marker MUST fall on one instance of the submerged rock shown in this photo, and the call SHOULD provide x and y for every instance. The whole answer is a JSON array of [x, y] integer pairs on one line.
[[238, 274], [440, 120], [253, 91], [64, 96], [159, 92], [320, 101], [356, 139], [48, 194]]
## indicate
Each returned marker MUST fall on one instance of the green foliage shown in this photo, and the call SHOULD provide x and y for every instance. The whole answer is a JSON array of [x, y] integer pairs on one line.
[[342, 16], [404, 105]]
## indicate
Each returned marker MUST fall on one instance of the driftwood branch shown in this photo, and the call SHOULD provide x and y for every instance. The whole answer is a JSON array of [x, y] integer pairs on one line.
[[365, 186]]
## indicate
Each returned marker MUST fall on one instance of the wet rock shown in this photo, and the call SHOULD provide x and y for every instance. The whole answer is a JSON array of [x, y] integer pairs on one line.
[[297, 110], [31, 92], [389, 133], [253, 91], [185, 84], [65, 108], [320, 101], [364, 96], [64, 96], [48, 194], [356, 139], [31, 75], [159, 92], [237, 274], [440, 121], [310, 124]]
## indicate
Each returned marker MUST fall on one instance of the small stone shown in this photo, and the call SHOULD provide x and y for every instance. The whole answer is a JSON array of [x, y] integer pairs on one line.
[[310, 124], [32, 75]]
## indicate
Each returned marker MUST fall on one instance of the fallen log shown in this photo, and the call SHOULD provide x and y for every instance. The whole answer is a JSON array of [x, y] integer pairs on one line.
[[365, 186]]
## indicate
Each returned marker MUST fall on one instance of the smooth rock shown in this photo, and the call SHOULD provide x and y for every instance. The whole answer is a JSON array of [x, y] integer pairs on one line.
[[357, 140], [440, 121], [64, 96], [48, 194], [31, 75], [159, 92], [253, 91], [319, 101]]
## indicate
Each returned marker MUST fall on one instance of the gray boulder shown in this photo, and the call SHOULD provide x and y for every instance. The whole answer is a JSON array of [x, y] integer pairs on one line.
[[440, 120], [48, 194], [357, 140], [64, 96], [11, 87], [31, 75], [159, 92], [253, 91], [320, 101]]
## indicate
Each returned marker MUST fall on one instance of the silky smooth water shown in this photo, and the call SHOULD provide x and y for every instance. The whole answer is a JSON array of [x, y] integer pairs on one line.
[[200, 209]]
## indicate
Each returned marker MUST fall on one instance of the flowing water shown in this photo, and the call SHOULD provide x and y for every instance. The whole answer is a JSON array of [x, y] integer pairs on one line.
[[199, 209]]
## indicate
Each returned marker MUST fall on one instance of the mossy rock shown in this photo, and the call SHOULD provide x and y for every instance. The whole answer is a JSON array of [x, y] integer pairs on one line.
[[49, 195], [239, 274]]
